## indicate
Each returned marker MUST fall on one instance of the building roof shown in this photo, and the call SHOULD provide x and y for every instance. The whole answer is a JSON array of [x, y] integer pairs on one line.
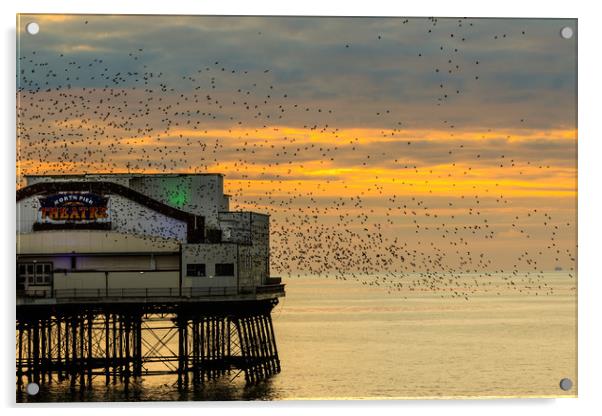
[[120, 174]]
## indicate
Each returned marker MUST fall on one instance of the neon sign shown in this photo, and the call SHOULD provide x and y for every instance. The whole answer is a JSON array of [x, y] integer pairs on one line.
[[74, 207]]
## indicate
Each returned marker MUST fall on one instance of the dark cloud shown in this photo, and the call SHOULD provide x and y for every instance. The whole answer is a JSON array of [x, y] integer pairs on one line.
[[519, 75]]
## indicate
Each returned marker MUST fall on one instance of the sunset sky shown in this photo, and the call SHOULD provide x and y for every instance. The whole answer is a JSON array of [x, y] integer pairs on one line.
[[425, 145]]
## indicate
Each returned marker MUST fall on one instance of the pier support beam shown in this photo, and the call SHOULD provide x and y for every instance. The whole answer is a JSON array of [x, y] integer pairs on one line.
[[114, 342]]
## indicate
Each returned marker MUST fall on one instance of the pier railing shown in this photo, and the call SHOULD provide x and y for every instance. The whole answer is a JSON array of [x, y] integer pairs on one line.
[[172, 292]]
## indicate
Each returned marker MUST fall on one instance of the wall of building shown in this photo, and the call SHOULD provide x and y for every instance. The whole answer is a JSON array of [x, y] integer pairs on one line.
[[200, 194], [118, 271], [260, 249], [132, 218], [126, 216], [27, 214], [90, 241], [197, 194], [116, 280], [108, 262], [251, 231], [209, 254], [236, 227], [144, 262]]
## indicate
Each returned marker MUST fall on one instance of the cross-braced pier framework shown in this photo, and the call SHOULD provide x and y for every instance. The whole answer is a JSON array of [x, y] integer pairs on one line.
[[122, 341]]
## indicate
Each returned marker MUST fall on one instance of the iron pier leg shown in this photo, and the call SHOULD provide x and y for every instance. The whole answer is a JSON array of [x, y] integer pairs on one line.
[[203, 351], [107, 350], [180, 351], [127, 352], [29, 352], [114, 352], [67, 344], [273, 342], [36, 352], [74, 361], [82, 367], [138, 326], [20, 356], [90, 352], [59, 354]]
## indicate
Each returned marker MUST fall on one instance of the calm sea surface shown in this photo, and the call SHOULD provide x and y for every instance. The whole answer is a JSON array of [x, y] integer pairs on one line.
[[341, 339]]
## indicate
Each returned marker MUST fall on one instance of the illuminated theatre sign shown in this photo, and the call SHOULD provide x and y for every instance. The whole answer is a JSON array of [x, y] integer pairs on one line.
[[73, 210]]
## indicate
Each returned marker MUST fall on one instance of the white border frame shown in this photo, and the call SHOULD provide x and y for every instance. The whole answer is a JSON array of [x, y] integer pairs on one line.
[[590, 207]]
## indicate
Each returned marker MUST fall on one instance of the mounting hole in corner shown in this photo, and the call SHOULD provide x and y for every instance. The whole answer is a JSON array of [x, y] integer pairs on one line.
[[566, 384], [566, 32], [32, 28], [32, 389]]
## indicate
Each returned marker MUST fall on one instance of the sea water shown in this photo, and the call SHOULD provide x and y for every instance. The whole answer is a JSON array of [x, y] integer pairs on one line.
[[340, 339]]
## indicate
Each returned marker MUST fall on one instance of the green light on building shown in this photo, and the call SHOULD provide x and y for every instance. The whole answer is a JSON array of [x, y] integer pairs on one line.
[[178, 197]]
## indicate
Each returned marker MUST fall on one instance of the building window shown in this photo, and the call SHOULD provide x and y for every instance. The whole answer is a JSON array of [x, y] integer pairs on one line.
[[21, 276], [195, 270], [32, 274], [224, 269]]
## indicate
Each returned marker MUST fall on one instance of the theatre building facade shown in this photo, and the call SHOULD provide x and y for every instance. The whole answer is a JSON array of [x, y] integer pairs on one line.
[[151, 235]]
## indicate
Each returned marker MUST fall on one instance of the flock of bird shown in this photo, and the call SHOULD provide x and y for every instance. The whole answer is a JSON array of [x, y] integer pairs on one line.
[[402, 234]]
